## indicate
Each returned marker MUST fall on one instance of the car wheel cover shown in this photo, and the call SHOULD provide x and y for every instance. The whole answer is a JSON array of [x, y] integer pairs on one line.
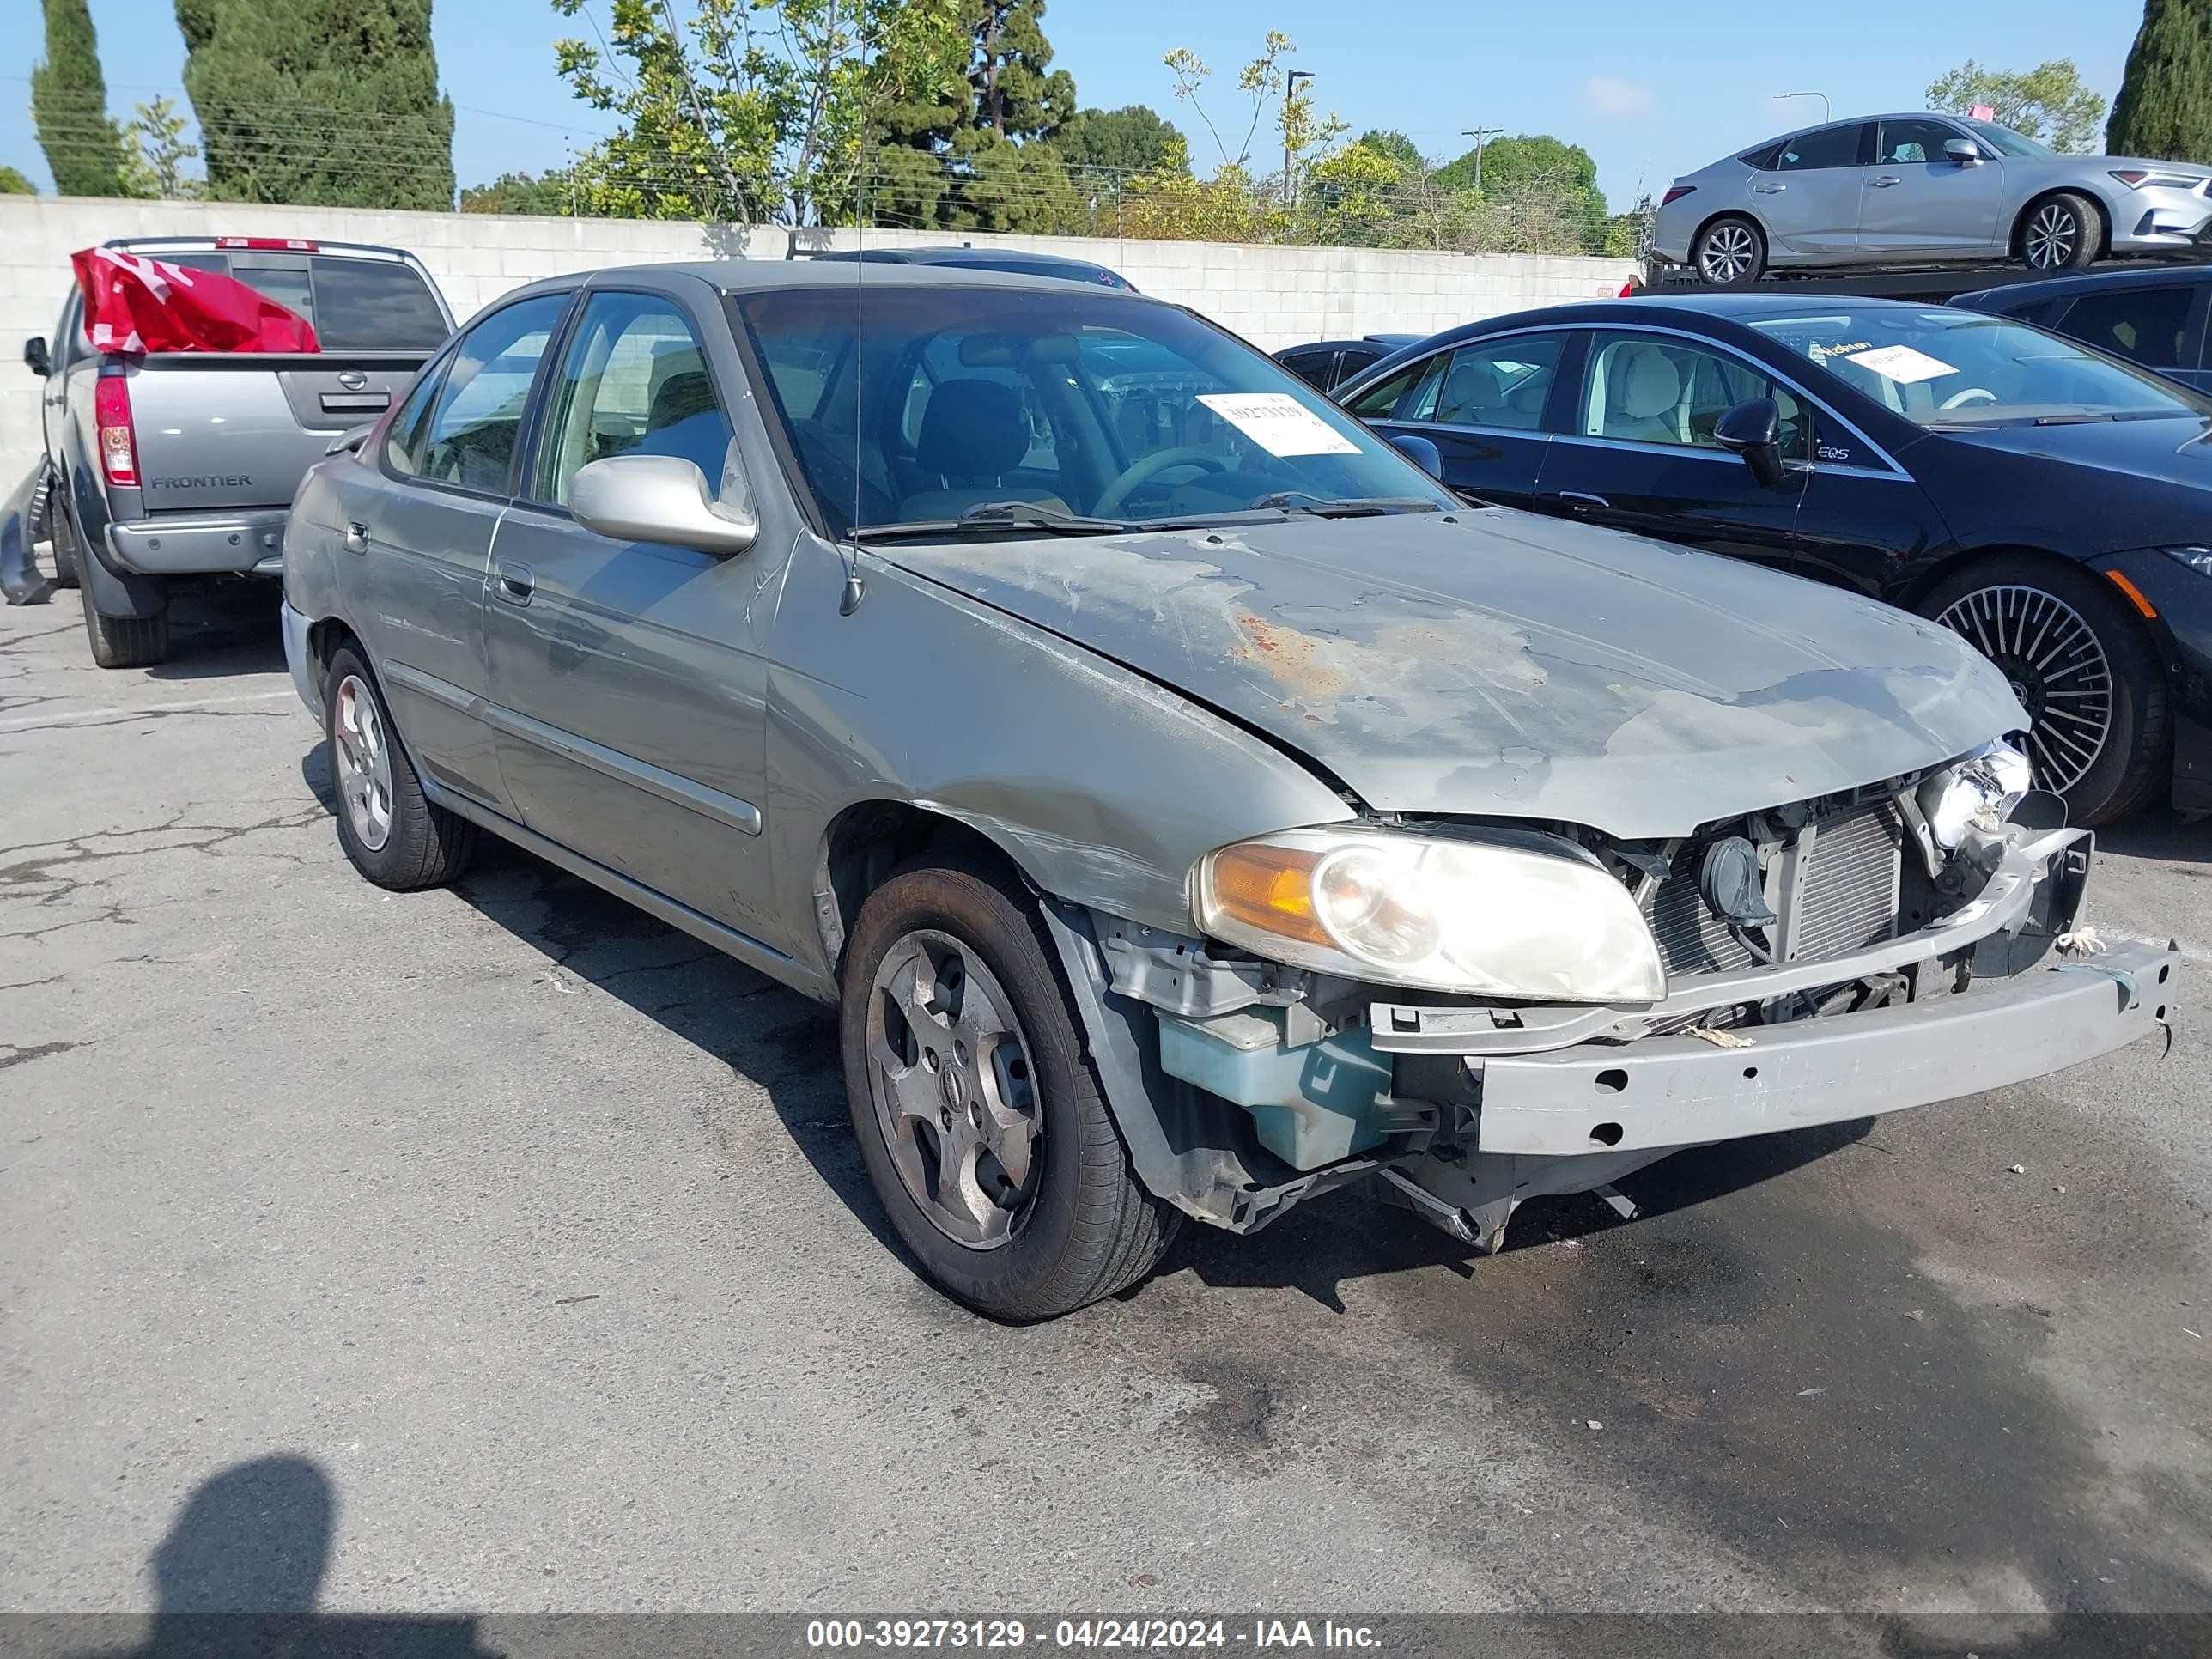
[[1726, 253], [2058, 668], [362, 749], [2052, 235], [954, 1088]]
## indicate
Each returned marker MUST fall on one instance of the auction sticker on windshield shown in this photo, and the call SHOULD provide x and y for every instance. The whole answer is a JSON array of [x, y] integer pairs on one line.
[[1901, 364], [1277, 423]]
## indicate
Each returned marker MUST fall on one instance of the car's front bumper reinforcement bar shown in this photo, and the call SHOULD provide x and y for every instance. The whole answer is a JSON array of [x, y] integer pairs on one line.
[[1684, 1091]]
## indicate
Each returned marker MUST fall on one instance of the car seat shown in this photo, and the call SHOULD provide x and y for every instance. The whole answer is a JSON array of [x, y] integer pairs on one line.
[[974, 432], [1641, 390]]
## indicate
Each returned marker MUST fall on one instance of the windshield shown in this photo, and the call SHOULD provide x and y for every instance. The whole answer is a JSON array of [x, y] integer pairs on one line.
[[2006, 142], [1948, 369], [1074, 406]]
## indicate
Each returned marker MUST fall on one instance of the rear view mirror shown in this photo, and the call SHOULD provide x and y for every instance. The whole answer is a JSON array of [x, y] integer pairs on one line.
[[1753, 430], [657, 498], [35, 356], [1964, 151], [1421, 452]]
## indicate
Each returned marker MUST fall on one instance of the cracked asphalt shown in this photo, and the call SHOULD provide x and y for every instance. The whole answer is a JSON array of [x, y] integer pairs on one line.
[[496, 1250]]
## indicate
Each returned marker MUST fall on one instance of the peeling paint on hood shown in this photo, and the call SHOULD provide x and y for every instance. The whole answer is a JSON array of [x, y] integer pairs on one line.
[[1508, 665]]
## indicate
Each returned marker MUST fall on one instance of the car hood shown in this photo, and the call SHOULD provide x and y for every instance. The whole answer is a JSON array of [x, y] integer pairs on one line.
[[2119, 484], [1496, 663]]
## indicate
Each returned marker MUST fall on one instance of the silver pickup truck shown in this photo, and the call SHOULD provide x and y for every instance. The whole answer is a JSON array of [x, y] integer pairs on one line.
[[171, 464]]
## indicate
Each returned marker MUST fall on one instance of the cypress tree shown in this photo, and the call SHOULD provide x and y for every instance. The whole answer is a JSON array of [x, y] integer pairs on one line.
[[2164, 107], [331, 103], [69, 105]]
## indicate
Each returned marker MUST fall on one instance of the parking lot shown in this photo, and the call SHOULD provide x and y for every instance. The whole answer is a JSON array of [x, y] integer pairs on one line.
[[535, 1237]]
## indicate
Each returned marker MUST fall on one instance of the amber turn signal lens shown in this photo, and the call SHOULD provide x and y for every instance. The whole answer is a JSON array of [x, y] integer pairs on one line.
[[1266, 887]]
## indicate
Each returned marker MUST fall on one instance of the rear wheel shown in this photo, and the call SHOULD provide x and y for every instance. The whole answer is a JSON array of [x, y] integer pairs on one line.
[[57, 537], [2061, 233], [979, 1115], [390, 829], [1729, 251], [123, 641], [2083, 667]]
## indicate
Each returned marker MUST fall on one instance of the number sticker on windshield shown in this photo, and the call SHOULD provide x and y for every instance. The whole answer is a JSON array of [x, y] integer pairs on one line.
[[1902, 364], [1278, 423]]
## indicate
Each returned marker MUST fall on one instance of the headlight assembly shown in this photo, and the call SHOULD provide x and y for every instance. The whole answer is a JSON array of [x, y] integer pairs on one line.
[[1479, 916], [1991, 779], [2198, 559]]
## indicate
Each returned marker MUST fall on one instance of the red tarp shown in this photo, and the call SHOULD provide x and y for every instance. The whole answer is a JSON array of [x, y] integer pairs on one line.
[[135, 304]]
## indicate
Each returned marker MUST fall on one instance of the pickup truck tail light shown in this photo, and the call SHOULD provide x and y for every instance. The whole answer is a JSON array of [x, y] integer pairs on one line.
[[118, 446]]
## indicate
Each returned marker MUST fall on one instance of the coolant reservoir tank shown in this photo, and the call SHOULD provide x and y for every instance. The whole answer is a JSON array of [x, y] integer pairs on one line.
[[1312, 1105]]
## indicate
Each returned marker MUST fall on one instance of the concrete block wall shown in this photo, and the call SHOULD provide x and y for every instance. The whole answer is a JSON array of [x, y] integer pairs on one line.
[[1273, 296]]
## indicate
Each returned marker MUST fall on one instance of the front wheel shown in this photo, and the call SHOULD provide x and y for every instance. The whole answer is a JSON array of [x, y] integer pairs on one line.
[[2061, 233], [2083, 667], [980, 1118], [1728, 252]]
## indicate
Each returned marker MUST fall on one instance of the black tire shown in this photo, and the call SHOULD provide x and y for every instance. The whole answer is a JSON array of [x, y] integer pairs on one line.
[[1089, 1229], [1729, 252], [58, 538], [123, 641], [424, 845], [2132, 764], [2065, 232]]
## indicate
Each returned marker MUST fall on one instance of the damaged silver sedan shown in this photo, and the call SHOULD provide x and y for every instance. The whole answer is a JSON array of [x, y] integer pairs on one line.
[[1190, 808]]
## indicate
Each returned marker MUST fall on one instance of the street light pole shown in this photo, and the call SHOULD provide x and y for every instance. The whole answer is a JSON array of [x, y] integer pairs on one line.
[[1478, 134], [1290, 91], [1822, 96]]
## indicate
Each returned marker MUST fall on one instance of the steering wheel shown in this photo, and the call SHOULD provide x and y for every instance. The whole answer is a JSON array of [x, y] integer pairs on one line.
[[1972, 394], [1151, 466]]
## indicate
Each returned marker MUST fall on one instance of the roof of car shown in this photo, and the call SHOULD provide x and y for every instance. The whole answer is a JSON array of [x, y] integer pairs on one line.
[[955, 255], [2008, 294], [748, 275]]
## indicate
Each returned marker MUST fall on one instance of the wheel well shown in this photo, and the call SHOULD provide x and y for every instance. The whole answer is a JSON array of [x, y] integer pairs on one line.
[[2104, 217], [869, 840], [323, 639], [1712, 219], [1914, 596]]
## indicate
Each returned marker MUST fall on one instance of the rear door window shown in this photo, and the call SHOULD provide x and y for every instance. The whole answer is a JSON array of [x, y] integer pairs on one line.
[[1829, 147], [479, 408], [2147, 325]]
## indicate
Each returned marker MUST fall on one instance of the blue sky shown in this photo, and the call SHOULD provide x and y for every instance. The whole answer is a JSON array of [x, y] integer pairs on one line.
[[1650, 89]]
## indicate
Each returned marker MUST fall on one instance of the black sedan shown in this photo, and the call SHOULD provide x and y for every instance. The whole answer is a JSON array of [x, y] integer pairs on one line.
[[2049, 502], [1328, 363], [2154, 315]]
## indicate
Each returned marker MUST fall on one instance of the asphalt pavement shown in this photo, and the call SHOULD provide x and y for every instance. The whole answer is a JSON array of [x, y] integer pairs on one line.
[[499, 1250]]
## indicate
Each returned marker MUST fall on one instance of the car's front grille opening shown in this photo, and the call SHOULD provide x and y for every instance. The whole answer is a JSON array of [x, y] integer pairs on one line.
[[1845, 897]]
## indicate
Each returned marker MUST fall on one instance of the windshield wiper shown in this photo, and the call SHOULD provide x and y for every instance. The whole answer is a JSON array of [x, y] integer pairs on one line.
[[2082, 419], [997, 515], [1344, 507]]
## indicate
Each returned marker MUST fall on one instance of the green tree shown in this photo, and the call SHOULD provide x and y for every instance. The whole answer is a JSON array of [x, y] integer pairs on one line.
[[554, 193], [330, 102], [757, 111], [1017, 93], [1538, 178], [68, 107], [1004, 185], [2165, 106], [155, 167], [1110, 142], [1395, 145], [2048, 102], [15, 182]]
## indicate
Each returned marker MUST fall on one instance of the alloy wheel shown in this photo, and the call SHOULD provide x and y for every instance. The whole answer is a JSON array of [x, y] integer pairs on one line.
[[364, 762], [2052, 235], [1728, 252], [954, 1088], [2058, 669]]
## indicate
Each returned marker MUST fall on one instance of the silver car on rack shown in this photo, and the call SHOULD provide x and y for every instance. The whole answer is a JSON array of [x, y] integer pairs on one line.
[[1925, 189], [1189, 805]]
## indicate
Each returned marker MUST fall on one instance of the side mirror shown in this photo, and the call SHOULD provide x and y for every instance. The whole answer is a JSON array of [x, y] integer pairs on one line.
[[1421, 452], [657, 498], [1753, 430], [349, 441], [1964, 151], [35, 358]]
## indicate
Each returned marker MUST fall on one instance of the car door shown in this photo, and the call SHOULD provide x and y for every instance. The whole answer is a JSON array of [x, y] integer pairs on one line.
[[420, 532], [1865, 523], [1808, 200], [628, 679], [1638, 453], [2160, 325], [1483, 404], [1919, 200]]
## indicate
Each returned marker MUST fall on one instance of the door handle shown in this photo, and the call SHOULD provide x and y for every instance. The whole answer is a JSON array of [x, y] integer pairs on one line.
[[1768, 190], [1579, 499], [514, 583], [356, 538], [1886, 182]]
